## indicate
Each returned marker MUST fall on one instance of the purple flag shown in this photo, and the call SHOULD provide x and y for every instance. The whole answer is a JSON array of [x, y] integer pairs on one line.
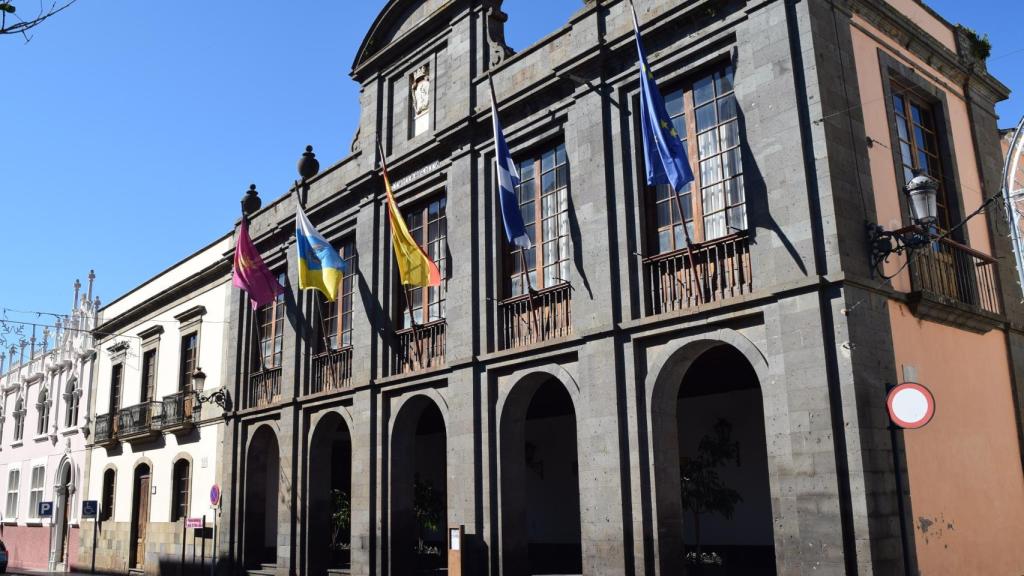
[[251, 274]]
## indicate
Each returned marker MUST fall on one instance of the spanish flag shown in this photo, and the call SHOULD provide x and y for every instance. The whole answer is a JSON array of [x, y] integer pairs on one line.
[[415, 267], [320, 266]]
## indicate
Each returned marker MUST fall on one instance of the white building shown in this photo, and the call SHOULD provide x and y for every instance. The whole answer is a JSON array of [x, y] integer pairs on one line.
[[43, 429], [152, 461]]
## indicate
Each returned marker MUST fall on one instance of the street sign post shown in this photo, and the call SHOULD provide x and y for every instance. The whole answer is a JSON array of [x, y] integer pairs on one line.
[[910, 405], [193, 523], [45, 510], [215, 495]]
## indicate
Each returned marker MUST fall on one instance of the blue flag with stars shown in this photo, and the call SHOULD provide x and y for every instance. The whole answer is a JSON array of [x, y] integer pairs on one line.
[[664, 153]]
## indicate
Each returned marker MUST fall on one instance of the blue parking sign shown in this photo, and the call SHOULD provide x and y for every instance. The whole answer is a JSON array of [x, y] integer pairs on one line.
[[90, 508], [46, 509]]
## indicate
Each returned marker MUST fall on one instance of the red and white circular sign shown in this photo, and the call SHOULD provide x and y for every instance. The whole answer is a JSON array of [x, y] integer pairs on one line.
[[910, 405]]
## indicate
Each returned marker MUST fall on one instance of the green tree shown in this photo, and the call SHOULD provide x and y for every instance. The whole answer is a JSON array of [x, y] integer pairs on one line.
[[703, 491], [427, 506], [341, 520]]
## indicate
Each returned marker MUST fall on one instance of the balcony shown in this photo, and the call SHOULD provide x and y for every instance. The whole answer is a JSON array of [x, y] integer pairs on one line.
[[710, 272], [179, 413], [953, 283], [139, 422], [536, 317], [264, 388], [105, 431], [420, 347], [332, 370]]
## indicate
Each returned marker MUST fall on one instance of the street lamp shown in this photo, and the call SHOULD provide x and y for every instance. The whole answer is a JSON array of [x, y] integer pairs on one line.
[[220, 396], [922, 194]]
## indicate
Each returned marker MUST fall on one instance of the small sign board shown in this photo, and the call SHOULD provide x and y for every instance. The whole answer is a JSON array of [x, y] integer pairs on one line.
[[910, 405], [193, 523], [46, 509], [90, 508], [215, 495], [454, 539]]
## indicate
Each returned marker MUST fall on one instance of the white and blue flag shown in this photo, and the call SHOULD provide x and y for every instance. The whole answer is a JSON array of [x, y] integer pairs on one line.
[[508, 179]]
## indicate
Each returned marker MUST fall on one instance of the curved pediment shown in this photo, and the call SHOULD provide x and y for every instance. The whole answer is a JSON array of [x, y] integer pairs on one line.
[[396, 19]]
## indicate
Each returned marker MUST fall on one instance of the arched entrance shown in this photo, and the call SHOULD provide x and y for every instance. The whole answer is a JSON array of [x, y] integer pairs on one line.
[[141, 488], [540, 487], [419, 498], [261, 499], [63, 490], [328, 540], [712, 487]]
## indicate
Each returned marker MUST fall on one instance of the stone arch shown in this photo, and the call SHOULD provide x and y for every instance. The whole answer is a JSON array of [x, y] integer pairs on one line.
[[174, 502], [261, 498], [662, 386], [142, 474], [513, 411], [417, 451], [64, 482], [329, 469]]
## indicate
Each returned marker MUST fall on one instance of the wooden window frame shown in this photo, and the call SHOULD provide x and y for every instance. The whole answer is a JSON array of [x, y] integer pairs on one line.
[[187, 365], [334, 328], [532, 172], [147, 389], [933, 138], [107, 504], [12, 491], [35, 494], [276, 310], [42, 411], [420, 234], [692, 199], [181, 495], [116, 384]]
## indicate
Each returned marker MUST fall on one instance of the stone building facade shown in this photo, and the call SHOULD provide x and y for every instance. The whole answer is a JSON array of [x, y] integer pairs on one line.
[[557, 406], [152, 457], [43, 429]]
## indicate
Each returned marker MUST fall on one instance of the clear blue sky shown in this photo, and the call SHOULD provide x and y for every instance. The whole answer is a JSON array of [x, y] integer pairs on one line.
[[131, 129]]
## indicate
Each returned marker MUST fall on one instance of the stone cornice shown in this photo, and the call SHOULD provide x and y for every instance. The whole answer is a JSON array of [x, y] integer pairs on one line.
[[958, 68]]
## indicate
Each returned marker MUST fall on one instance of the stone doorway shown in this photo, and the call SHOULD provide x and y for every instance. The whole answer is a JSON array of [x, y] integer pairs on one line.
[[329, 533], [262, 479], [419, 499], [540, 497]]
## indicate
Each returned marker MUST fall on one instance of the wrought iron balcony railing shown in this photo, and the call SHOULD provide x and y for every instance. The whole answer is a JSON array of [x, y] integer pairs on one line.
[[709, 272], [957, 273], [139, 421], [332, 370], [179, 411], [105, 430], [420, 347], [264, 388], [535, 317]]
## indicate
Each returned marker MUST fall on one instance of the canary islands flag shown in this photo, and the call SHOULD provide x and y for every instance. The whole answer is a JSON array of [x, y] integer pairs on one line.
[[664, 153], [414, 266], [320, 265]]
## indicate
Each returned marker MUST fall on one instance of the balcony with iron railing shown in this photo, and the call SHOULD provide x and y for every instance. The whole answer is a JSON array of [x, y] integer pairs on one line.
[[952, 281], [139, 422], [332, 370], [535, 317], [709, 272], [105, 430], [179, 412], [420, 347], [264, 388]]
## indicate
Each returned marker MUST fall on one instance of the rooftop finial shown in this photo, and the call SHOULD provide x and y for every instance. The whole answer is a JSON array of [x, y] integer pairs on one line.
[[92, 276], [78, 286]]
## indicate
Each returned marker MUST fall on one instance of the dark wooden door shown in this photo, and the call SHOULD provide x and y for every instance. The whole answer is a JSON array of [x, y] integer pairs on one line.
[[142, 522]]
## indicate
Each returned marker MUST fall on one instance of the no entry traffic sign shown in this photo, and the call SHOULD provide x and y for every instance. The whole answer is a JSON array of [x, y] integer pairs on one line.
[[910, 405]]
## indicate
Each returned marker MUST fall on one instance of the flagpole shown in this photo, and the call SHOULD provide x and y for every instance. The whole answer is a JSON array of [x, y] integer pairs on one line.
[[522, 250], [689, 246], [675, 195], [408, 300]]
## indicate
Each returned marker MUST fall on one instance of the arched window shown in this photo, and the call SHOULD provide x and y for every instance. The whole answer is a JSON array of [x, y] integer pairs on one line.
[[19, 420], [107, 509], [71, 395], [180, 488], [43, 410]]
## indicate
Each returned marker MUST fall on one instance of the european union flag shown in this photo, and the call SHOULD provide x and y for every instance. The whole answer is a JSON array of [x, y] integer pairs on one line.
[[664, 153]]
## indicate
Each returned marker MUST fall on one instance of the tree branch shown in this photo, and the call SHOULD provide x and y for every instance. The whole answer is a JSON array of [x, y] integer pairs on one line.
[[23, 26]]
